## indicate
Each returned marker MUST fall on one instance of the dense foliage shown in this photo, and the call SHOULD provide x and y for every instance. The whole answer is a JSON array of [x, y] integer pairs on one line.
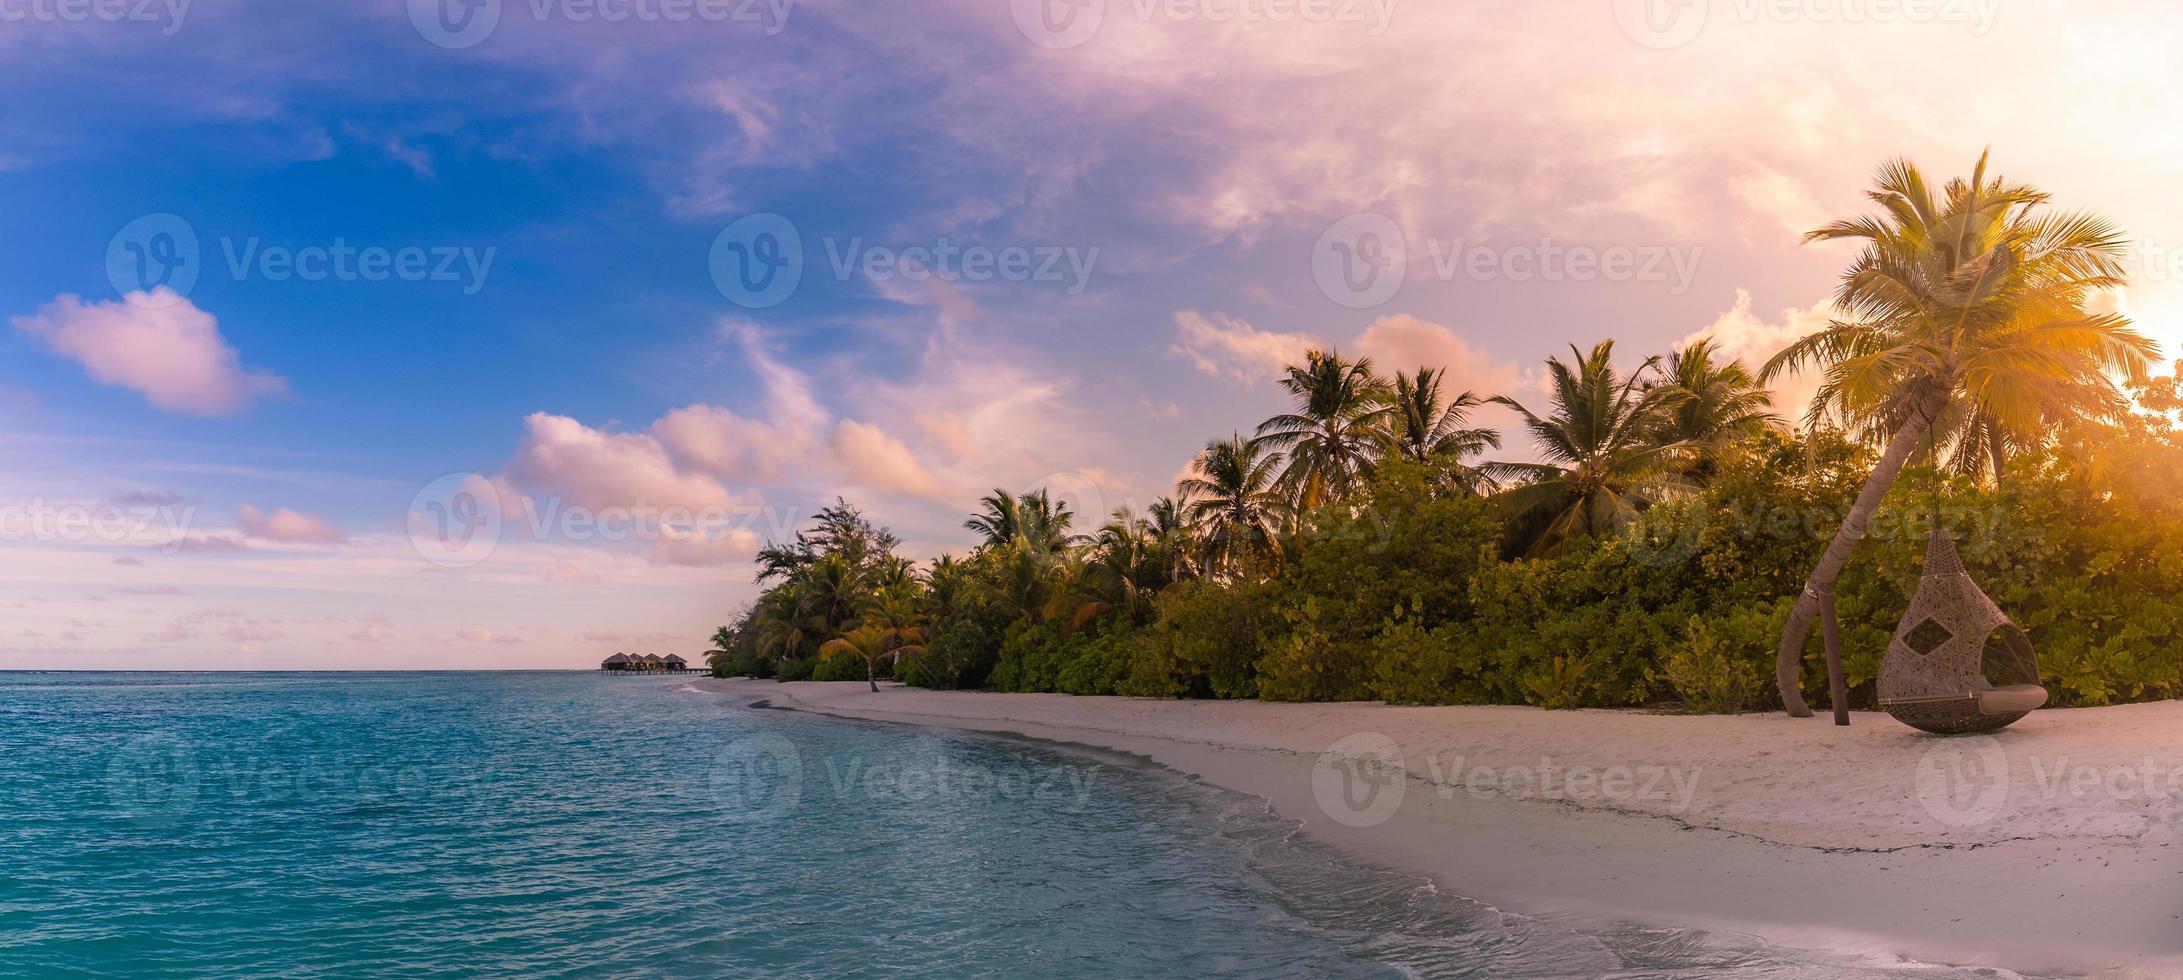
[[1412, 589], [1356, 547]]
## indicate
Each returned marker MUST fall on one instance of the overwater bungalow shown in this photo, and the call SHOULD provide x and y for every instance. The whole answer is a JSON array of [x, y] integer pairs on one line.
[[647, 662]]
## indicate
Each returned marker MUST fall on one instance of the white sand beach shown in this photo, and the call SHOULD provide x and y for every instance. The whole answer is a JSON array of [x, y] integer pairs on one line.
[[2051, 847]]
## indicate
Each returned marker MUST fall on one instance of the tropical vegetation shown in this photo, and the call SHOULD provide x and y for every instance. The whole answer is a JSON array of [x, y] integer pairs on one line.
[[1666, 541]]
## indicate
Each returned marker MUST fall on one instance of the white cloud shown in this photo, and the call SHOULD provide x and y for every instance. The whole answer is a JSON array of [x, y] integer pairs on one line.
[[598, 469], [1740, 334], [1224, 345], [158, 345]]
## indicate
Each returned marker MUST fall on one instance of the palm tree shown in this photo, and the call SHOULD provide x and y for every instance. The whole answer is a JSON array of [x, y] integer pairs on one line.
[[1425, 429], [785, 628], [832, 593], [871, 644], [1605, 462], [722, 652], [1123, 569], [1713, 406], [1175, 544], [1962, 313], [1234, 504], [1331, 439], [899, 616], [1032, 517]]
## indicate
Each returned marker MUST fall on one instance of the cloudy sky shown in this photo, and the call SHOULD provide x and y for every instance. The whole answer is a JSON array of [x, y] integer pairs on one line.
[[454, 333]]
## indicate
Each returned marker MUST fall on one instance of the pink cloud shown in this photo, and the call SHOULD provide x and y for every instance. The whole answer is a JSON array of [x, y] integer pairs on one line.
[[1406, 343], [569, 573], [702, 549], [717, 441], [212, 543], [1221, 344], [375, 629], [287, 526], [158, 345], [599, 469], [869, 457]]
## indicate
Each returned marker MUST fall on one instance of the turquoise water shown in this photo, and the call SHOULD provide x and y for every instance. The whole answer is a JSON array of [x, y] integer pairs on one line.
[[580, 825]]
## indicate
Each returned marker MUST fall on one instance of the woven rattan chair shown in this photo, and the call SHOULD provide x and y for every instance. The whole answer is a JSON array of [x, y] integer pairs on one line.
[[1957, 665]]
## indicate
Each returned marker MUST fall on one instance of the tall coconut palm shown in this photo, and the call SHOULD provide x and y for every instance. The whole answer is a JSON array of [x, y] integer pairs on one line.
[[1332, 438], [1427, 427], [1034, 518], [1963, 306], [1175, 544], [1713, 405], [1604, 460], [1235, 504], [1124, 567]]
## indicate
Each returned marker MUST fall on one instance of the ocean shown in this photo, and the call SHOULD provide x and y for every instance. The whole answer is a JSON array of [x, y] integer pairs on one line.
[[577, 824]]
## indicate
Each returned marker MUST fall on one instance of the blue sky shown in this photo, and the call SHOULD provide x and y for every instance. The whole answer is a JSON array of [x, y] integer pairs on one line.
[[1194, 167]]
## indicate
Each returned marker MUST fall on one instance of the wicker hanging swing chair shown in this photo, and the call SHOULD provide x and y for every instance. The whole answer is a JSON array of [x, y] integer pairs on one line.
[[1957, 665]]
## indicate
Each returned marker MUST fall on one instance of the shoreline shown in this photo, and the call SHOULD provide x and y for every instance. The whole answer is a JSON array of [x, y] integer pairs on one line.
[[1851, 840]]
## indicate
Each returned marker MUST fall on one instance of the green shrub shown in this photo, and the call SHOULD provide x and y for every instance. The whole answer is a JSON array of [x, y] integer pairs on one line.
[[1712, 674], [842, 666], [795, 669], [1412, 665], [1560, 682], [1205, 642]]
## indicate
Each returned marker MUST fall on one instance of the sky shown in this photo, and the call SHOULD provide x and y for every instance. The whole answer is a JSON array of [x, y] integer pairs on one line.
[[501, 333]]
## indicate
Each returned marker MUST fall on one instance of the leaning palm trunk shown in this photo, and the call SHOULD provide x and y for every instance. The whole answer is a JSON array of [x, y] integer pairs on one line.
[[1789, 659]]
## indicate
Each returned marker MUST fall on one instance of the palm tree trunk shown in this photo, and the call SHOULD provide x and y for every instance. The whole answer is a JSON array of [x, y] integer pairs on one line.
[[1789, 658], [871, 674]]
